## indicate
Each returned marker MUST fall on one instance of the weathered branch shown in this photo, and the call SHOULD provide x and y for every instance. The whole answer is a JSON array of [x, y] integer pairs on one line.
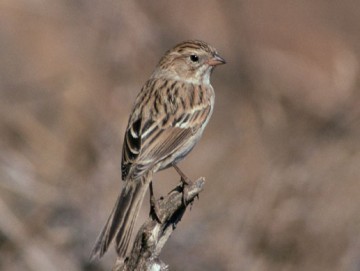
[[153, 234]]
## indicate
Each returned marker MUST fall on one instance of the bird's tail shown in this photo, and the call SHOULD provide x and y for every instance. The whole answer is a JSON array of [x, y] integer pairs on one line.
[[121, 222]]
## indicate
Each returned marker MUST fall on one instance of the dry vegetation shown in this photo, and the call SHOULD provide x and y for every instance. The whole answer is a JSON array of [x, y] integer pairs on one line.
[[281, 154]]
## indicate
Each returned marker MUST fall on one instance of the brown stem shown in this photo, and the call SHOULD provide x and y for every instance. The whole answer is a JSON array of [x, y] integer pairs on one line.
[[153, 234]]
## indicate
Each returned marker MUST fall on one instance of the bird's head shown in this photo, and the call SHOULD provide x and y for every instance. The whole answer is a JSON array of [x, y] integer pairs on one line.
[[190, 61]]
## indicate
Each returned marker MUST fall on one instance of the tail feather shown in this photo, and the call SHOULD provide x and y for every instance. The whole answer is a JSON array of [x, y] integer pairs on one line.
[[121, 221], [124, 235]]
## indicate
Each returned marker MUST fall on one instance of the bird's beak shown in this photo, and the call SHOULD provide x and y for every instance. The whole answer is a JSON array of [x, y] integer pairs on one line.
[[216, 60]]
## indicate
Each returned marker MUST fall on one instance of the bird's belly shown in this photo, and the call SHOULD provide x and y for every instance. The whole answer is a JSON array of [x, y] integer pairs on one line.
[[181, 153]]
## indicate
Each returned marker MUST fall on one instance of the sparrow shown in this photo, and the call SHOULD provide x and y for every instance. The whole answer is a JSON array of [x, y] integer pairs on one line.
[[167, 120]]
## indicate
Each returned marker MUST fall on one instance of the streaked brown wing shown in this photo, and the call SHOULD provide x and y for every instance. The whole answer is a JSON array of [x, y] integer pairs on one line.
[[169, 141], [158, 145], [155, 137]]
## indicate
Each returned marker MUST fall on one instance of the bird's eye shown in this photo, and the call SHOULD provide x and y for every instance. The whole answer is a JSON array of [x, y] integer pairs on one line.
[[194, 58]]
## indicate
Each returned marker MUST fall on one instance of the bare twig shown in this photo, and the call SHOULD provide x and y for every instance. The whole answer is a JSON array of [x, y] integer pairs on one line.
[[153, 235]]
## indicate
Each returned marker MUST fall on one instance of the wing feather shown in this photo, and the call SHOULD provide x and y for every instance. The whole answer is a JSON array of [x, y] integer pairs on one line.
[[164, 128]]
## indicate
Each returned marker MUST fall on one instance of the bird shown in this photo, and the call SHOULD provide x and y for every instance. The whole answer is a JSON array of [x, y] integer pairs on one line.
[[167, 120]]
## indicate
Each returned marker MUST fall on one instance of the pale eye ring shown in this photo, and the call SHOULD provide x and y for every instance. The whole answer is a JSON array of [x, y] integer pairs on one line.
[[194, 58]]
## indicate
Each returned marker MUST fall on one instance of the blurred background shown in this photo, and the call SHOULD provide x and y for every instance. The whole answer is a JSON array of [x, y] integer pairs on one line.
[[281, 154]]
